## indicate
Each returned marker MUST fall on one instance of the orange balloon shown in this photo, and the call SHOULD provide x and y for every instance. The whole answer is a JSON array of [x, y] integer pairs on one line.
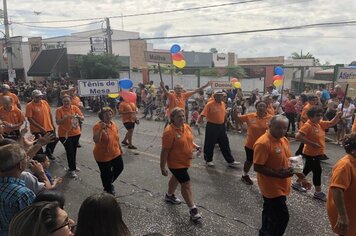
[[277, 83], [180, 64], [277, 77], [234, 80]]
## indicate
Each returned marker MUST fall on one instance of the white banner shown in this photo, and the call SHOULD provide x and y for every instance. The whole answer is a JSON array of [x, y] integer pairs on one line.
[[346, 75], [221, 85], [97, 87]]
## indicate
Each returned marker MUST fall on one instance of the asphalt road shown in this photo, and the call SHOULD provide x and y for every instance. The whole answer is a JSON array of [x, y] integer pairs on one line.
[[228, 206]]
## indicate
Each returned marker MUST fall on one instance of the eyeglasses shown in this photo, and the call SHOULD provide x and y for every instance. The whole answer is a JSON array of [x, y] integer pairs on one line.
[[66, 223]]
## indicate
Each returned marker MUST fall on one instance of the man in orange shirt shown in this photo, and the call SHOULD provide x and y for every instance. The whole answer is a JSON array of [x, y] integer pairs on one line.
[[342, 191], [12, 118], [271, 154], [215, 131], [38, 113], [128, 111], [178, 98], [5, 91]]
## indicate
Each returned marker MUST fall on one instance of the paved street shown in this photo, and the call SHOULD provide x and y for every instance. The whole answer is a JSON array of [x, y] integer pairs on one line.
[[228, 206]]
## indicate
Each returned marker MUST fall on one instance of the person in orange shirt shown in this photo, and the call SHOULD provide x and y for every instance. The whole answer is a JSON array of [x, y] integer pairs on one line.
[[5, 91], [178, 98], [257, 124], [177, 149], [342, 191], [67, 119], [38, 113], [128, 111], [271, 162], [107, 150], [269, 103], [12, 119], [312, 134], [312, 101], [215, 131]]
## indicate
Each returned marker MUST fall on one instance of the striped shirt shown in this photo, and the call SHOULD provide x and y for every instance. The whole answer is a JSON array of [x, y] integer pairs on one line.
[[14, 197]]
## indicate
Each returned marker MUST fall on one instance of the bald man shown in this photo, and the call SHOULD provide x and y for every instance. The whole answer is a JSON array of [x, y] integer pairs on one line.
[[5, 91], [11, 117]]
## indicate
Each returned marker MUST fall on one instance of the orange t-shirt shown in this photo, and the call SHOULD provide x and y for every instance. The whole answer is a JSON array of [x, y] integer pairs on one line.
[[303, 116], [76, 101], [354, 127], [214, 112], [14, 98], [128, 107], [108, 148], [256, 127], [180, 144], [14, 116], [177, 101], [270, 110], [70, 127], [272, 153], [40, 112], [343, 177], [315, 132]]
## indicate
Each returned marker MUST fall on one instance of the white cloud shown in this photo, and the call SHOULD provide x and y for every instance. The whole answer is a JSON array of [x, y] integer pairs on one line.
[[321, 42]]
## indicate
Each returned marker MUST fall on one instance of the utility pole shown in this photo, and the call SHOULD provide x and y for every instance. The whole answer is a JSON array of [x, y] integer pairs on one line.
[[108, 34], [7, 38]]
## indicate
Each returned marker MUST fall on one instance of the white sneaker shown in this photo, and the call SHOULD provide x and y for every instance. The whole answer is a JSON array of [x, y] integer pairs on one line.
[[234, 164], [210, 163], [72, 174]]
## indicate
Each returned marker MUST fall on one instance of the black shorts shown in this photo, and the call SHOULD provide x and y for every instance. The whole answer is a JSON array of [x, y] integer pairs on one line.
[[249, 154], [129, 125], [181, 175]]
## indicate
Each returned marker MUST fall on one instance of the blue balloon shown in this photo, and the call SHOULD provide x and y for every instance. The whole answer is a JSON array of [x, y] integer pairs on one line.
[[125, 83], [175, 48], [279, 71]]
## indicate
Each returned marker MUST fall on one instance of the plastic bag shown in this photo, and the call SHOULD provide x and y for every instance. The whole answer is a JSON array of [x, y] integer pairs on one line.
[[296, 163]]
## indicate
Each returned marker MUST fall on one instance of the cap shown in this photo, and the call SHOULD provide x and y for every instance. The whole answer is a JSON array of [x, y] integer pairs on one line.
[[37, 93], [5, 86], [337, 86]]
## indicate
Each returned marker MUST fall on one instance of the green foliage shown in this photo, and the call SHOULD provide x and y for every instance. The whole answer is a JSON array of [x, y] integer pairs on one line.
[[99, 66], [236, 72], [353, 63], [209, 72]]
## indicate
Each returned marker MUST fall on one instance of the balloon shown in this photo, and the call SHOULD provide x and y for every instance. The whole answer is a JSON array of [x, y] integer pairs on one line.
[[128, 96], [113, 95], [125, 83], [278, 70], [180, 64], [178, 56], [237, 85], [277, 77], [175, 48], [277, 83], [234, 80]]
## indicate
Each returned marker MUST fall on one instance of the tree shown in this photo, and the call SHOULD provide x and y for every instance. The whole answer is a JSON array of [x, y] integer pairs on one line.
[[236, 71], [99, 66], [213, 50], [353, 63], [296, 55]]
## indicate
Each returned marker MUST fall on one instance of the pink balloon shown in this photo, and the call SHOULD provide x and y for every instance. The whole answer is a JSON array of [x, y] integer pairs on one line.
[[234, 80], [177, 56], [128, 96]]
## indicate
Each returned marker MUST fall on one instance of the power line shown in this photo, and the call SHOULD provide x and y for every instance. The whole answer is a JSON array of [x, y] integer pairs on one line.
[[56, 27], [144, 14]]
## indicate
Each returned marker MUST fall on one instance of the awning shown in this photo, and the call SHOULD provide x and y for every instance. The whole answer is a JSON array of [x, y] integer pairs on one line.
[[51, 61], [317, 81]]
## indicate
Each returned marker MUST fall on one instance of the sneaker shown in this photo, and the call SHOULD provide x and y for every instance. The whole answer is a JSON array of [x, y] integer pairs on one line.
[[320, 196], [297, 186], [210, 163], [72, 174], [124, 143], [234, 164], [79, 145], [194, 214], [172, 199], [132, 147], [246, 179], [77, 169]]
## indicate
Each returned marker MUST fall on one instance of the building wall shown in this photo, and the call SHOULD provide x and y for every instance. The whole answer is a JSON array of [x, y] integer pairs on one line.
[[137, 49], [26, 55]]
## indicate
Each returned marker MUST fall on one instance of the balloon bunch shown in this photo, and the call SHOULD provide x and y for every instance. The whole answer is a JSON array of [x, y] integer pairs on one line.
[[125, 84], [279, 75], [177, 56], [235, 83]]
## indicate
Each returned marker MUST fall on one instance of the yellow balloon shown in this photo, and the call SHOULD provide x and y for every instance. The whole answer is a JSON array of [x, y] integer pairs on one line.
[[277, 83], [237, 85], [180, 64], [113, 95]]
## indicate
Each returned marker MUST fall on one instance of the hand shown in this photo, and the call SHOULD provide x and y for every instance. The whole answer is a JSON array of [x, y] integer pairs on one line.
[[24, 130], [46, 139], [36, 167], [164, 172], [338, 114], [29, 140], [342, 224], [102, 125], [42, 130], [57, 180], [285, 173]]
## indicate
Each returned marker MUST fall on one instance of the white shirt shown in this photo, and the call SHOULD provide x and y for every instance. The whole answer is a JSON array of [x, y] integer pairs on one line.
[[32, 182], [347, 111]]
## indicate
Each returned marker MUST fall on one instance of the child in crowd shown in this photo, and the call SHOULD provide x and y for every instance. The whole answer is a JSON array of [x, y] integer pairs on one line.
[[44, 160]]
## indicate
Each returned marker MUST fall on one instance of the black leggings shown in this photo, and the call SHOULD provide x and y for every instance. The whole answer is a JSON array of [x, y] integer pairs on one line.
[[109, 171], [70, 145], [312, 164]]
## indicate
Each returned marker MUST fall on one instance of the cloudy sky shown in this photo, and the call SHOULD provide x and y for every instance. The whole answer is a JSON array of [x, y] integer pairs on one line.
[[329, 44]]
